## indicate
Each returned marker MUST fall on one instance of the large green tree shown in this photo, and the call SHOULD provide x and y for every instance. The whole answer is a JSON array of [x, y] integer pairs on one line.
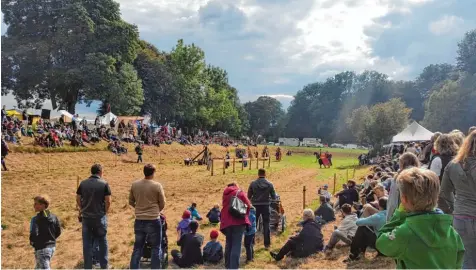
[[467, 53], [452, 106], [265, 116], [49, 46], [376, 125]]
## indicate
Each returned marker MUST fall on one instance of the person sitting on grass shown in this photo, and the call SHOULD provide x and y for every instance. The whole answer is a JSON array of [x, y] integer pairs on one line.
[[420, 236], [45, 228], [213, 250], [324, 191], [348, 195], [183, 226], [372, 207], [214, 215], [346, 230], [325, 212], [194, 212], [308, 242], [367, 231], [190, 253]]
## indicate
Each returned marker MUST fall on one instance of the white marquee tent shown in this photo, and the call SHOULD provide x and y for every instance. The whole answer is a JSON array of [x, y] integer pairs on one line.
[[413, 133], [106, 119]]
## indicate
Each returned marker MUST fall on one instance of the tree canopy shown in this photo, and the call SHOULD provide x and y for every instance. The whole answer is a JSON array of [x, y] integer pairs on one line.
[[71, 51]]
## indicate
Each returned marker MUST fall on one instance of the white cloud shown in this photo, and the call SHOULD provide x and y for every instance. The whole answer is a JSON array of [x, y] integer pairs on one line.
[[445, 25], [279, 96]]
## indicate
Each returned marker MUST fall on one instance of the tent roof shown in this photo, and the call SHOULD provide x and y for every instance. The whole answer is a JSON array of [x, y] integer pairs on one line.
[[412, 133]]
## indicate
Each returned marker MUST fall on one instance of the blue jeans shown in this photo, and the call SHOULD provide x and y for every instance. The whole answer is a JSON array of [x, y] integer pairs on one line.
[[466, 228], [152, 231], [43, 257], [95, 230], [234, 237], [249, 247]]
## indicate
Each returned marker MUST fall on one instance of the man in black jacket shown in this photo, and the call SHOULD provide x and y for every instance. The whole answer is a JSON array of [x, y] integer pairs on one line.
[[260, 193], [306, 243], [45, 228], [325, 212]]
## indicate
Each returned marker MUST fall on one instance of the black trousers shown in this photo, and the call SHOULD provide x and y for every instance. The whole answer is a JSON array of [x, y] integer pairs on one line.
[[264, 212], [139, 158], [285, 250], [363, 238]]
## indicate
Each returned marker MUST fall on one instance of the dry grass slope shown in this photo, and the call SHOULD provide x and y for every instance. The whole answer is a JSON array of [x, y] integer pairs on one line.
[[29, 176]]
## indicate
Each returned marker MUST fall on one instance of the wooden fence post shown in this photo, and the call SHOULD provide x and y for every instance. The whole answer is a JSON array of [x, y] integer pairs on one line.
[[257, 162], [212, 165], [224, 165], [269, 162], [335, 178], [347, 175], [264, 160], [233, 165], [304, 197], [242, 164], [353, 175], [249, 164]]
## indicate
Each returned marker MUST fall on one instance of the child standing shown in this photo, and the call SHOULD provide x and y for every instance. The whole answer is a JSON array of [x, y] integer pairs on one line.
[[420, 235], [139, 151], [250, 236], [214, 215], [213, 250], [45, 228], [193, 210], [183, 226]]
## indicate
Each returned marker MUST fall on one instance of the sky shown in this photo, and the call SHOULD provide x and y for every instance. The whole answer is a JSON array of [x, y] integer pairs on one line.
[[276, 47]]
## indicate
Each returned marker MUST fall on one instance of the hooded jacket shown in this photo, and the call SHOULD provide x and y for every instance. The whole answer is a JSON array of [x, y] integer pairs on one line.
[[214, 215], [227, 219], [45, 228], [213, 252], [348, 225], [308, 241], [421, 241], [261, 191], [460, 179], [251, 230]]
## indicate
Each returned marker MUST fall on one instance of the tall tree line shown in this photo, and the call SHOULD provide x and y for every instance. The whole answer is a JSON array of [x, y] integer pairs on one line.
[[73, 51], [442, 98]]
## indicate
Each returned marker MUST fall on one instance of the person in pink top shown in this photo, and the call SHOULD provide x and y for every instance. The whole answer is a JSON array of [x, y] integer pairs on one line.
[[232, 227]]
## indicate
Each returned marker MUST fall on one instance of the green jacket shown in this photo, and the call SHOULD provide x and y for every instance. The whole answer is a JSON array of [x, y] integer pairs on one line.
[[421, 241]]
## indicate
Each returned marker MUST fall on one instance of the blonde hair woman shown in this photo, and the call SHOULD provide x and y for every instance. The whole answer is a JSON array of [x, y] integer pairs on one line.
[[446, 148], [460, 178]]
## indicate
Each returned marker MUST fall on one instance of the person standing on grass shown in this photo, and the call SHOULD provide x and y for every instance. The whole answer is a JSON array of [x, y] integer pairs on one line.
[[148, 198], [261, 192], [233, 227], [139, 151], [45, 228], [5, 150], [93, 199]]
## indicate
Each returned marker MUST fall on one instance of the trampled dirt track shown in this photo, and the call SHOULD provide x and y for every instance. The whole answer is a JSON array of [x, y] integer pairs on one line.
[[183, 185]]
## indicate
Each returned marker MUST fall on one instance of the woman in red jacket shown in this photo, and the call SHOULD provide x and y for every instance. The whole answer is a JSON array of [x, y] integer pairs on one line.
[[233, 228]]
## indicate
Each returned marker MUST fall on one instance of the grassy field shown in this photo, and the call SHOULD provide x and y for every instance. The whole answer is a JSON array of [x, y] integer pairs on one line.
[[56, 174]]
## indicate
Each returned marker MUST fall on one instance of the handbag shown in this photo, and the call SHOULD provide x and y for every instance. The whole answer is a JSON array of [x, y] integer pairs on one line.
[[237, 207]]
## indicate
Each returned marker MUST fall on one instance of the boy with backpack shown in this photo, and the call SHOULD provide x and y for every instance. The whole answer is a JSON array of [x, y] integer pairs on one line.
[[213, 250], [420, 235], [45, 228]]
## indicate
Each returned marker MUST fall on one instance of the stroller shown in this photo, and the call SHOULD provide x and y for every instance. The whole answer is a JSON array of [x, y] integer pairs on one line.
[[147, 250], [277, 218]]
